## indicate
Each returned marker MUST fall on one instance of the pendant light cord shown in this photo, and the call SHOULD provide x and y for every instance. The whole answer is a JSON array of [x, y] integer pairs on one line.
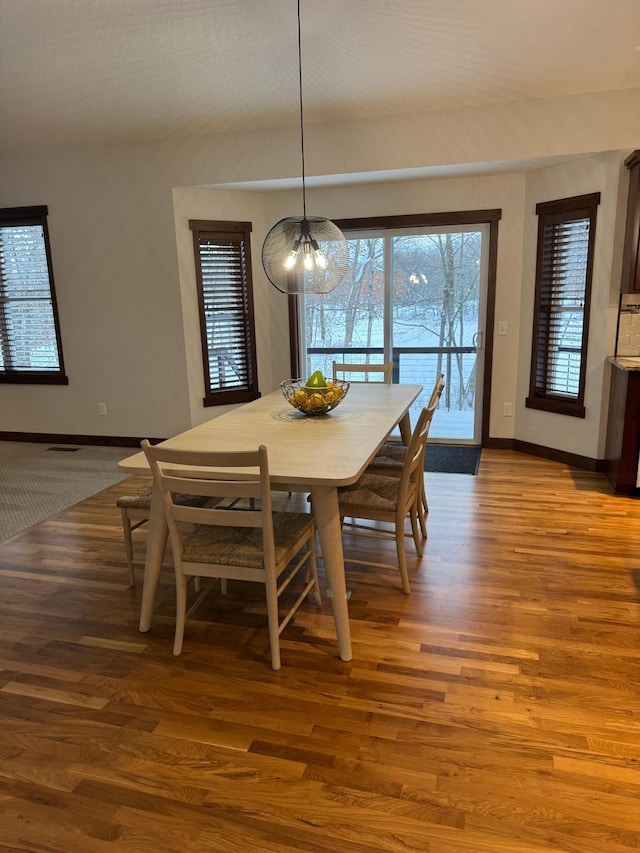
[[304, 194]]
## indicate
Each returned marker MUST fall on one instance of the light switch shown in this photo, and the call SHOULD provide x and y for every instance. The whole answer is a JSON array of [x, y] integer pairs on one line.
[[502, 327]]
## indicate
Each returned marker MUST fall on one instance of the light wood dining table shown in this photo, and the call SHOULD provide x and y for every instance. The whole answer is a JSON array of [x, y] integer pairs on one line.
[[315, 454]]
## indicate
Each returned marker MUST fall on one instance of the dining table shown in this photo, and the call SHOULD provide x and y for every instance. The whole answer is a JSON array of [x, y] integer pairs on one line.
[[307, 453]]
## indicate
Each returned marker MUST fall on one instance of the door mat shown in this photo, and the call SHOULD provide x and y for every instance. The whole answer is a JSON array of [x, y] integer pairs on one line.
[[451, 459]]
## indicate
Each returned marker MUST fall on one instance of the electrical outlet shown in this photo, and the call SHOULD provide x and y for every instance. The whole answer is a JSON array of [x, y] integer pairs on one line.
[[507, 410], [502, 327], [102, 409]]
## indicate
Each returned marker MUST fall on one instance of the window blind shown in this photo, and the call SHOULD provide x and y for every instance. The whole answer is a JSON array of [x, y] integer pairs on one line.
[[29, 339], [566, 231], [562, 303], [226, 314]]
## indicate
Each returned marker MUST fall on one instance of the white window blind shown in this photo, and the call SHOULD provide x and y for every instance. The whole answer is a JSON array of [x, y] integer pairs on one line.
[[29, 338], [226, 313]]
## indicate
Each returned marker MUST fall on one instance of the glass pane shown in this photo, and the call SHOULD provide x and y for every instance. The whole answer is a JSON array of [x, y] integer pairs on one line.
[[564, 357], [23, 259], [348, 323], [32, 335], [455, 417], [435, 305], [436, 280], [433, 298]]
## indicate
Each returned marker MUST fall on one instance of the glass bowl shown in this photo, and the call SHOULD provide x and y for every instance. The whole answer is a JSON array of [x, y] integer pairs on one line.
[[314, 401]]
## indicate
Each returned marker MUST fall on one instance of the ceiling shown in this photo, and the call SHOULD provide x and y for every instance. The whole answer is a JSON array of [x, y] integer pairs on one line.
[[86, 72]]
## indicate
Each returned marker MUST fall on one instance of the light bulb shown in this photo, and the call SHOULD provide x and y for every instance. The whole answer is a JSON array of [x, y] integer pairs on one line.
[[308, 259], [321, 260], [292, 257]]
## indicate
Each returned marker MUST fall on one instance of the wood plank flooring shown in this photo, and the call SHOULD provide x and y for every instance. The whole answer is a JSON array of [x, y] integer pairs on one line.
[[495, 710]]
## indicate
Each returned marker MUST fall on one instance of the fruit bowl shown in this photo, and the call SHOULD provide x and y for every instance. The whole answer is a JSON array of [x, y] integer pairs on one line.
[[314, 400]]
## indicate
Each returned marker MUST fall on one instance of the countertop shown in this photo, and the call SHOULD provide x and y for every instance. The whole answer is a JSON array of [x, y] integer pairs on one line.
[[625, 363]]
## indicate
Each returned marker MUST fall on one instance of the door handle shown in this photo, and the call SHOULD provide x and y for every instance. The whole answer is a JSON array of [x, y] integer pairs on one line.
[[477, 340]]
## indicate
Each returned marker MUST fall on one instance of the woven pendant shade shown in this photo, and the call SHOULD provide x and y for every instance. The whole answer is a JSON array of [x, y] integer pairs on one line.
[[305, 236]]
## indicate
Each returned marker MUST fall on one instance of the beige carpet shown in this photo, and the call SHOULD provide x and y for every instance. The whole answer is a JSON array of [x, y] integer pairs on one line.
[[37, 481]]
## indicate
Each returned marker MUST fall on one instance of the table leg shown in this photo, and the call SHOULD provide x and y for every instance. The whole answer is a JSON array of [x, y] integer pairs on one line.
[[156, 545], [404, 425], [325, 508]]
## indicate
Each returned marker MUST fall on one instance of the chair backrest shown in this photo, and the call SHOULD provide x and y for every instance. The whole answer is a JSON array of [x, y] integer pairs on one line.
[[379, 372], [188, 472], [438, 388], [413, 468]]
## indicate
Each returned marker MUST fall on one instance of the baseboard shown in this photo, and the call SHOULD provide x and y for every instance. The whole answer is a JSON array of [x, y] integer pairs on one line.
[[95, 440], [499, 443], [572, 459], [575, 460]]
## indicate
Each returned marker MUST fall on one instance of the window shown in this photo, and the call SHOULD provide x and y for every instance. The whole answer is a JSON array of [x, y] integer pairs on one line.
[[225, 299], [30, 348], [416, 293], [564, 266]]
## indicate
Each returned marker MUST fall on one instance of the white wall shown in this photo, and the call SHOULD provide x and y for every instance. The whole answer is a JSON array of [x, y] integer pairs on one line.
[[127, 328], [602, 174], [114, 260], [269, 305], [500, 191], [516, 195]]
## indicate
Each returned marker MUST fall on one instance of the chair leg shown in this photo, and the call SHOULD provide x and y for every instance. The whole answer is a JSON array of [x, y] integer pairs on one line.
[[272, 615], [313, 570], [402, 558], [422, 521], [415, 530], [223, 586], [423, 509], [128, 545], [181, 610]]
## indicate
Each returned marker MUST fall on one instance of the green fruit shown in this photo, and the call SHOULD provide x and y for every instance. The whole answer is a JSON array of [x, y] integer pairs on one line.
[[316, 380]]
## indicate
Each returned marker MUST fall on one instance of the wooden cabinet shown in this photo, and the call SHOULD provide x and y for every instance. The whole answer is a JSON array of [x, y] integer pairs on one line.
[[631, 258], [622, 450], [623, 431]]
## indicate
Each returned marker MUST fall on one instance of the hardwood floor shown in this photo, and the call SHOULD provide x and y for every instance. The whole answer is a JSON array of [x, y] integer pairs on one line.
[[496, 709]]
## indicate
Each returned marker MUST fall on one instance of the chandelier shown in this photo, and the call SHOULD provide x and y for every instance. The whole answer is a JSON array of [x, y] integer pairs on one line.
[[305, 254]]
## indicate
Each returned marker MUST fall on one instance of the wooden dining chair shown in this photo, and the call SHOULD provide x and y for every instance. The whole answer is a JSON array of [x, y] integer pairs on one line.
[[219, 542], [375, 497], [389, 460], [370, 372], [135, 509], [395, 449]]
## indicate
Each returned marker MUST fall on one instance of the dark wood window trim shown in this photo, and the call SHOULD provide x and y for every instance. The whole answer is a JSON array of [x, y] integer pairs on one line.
[[10, 373], [552, 214], [631, 251], [490, 216], [418, 220], [224, 249]]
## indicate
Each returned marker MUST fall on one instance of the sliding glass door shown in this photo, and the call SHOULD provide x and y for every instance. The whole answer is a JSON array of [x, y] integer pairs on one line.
[[416, 297]]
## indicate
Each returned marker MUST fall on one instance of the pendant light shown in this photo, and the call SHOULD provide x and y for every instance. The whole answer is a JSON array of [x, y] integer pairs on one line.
[[305, 254]]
